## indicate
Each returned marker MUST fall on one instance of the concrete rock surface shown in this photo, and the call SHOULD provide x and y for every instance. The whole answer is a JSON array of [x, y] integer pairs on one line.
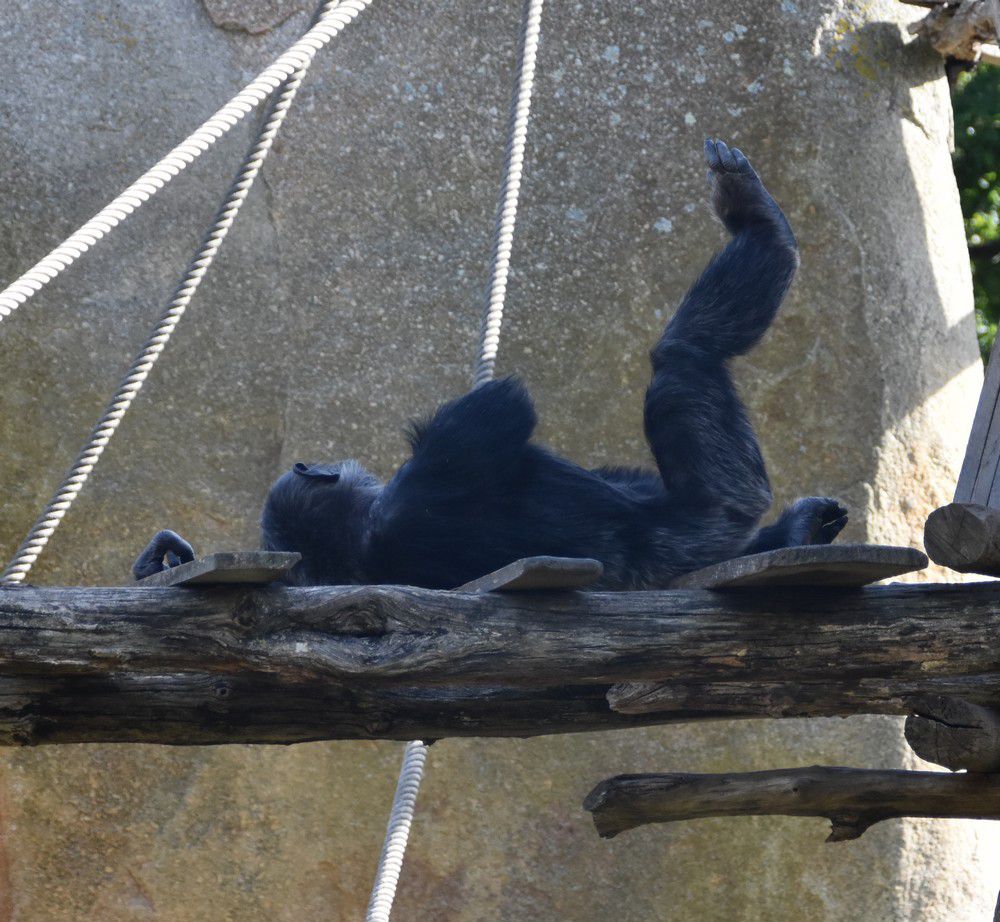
[[346, 301]]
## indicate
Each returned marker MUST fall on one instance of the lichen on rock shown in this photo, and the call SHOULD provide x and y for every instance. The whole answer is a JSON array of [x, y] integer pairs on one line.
[[252, 16]]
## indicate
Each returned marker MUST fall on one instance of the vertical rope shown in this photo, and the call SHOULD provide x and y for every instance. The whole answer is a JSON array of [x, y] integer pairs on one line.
[[60, 503], [298, 57], [397, 831], [510, 188]]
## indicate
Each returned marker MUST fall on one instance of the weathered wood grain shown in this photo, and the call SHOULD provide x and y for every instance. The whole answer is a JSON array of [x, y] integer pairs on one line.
[[955, 733], [964, 537], [982, 454], [249, 568], [841, 565], [282, 665], [853, 799], [539, 573], [195, 709]]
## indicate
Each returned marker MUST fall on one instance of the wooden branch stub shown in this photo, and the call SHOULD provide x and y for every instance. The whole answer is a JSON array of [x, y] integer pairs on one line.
[[965, 537], [248, 568], [843, 565], [539, 573], [955, 733], [853, 799]]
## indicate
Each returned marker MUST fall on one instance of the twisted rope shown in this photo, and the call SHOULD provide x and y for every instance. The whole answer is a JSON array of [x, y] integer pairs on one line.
[[397, 832], [332, 20], [510, 188], [398, 829], [60, 503]]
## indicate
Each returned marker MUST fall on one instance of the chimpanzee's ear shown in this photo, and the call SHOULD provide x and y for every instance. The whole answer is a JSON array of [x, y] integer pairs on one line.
[[319, 471]]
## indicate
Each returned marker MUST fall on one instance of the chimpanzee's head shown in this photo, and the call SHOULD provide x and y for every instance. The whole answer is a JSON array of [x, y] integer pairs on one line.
[[320, 511]]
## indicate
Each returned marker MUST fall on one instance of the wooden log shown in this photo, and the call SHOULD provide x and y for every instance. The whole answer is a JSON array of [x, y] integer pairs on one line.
[[965, 537], [283, 665], [196, 709], [853, 799], [955, 733], [842, 565]]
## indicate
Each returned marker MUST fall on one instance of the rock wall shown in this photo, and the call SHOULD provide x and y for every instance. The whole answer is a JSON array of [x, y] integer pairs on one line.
[[346, 301]]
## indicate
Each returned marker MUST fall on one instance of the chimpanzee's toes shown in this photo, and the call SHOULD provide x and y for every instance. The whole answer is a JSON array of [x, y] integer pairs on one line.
[[721, 159], [819, 519]]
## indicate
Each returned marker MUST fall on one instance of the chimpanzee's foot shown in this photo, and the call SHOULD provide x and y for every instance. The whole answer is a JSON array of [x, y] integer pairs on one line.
[[814, 520], [738, 195], [811, 520]]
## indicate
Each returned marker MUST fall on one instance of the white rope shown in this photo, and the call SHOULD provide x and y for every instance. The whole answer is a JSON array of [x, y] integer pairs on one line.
[[401, 816], [287, 72], [297, 58], [57, 507], [510, 188], [397, 831]]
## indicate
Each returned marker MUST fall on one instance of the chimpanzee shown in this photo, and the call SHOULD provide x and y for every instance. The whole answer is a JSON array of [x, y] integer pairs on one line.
[[477, 493]]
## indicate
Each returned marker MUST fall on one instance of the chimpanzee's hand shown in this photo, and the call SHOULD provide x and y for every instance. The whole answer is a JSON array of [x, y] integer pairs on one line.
[[167, 549]]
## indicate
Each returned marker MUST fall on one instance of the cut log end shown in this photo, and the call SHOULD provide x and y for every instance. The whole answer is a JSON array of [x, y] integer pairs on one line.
[[964, 537], [955, 733]]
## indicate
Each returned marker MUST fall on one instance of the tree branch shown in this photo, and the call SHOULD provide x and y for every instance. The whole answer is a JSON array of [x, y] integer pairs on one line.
[[853, 799]]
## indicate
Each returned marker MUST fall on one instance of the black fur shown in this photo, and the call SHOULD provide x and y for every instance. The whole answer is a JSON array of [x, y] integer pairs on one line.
[[477, 493]]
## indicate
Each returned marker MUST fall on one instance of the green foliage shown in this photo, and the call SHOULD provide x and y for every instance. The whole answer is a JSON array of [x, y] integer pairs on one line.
[[977, 152]]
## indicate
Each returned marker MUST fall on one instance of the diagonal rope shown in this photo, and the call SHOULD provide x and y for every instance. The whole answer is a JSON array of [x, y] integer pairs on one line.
[[298, 57], [414, 758], [510, 188], [57, 507]]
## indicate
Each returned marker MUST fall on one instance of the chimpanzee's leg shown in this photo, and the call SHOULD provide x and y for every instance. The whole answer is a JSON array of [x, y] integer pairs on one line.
[[703, 442]]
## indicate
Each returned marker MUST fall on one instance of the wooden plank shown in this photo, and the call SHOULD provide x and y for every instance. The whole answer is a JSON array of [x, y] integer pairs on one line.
[[983, 451], [844, 565], [538, 573], [248, 568]]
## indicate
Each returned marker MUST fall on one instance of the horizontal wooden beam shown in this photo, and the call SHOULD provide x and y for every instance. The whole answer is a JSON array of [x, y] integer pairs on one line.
[[285, 665], [853, 799]]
